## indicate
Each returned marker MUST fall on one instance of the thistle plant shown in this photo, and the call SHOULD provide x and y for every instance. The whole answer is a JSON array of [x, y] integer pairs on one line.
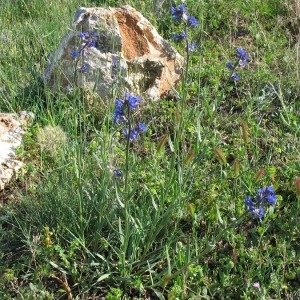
[[51, 139]]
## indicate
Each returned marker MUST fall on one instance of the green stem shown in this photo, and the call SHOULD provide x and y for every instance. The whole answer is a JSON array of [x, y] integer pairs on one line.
[[126, 198], [184, 85], [127, 149]]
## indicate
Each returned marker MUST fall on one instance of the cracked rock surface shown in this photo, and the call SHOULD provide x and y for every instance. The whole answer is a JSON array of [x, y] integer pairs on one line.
[[151, 66]]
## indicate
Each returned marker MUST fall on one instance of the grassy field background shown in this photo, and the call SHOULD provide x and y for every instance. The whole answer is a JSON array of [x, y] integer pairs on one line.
[[94, 216]]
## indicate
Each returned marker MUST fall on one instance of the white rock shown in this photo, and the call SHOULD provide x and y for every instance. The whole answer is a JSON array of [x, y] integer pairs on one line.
[[152, 66], [11, 133]]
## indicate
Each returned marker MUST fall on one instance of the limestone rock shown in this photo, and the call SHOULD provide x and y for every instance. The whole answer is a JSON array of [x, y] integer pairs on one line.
[[12, 128], [147, 65]]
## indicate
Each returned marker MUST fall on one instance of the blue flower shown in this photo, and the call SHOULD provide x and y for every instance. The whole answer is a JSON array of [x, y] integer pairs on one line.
[[135, 131], [118, 117], [259, 213], [141, 127], [84, 69], [242, 53], [74, 54], [94, 35], [249, 202], [255, 212], [229, 65], [235, 76], [89, 38], [83, 34], [119, 111], [266, 196], [178, 13], [192, 22], [243, 56], [118, 173], [132, 100], [178, 37], [90, 43], [133, 134], [191, 47]]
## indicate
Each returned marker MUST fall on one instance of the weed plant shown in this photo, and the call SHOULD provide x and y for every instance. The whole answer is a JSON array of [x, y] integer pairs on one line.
[[195, 197]]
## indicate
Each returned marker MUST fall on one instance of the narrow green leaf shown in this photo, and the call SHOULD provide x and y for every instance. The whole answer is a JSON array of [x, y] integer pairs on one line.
[[102, 277], [171, 145], [219, 215], [54, 265]]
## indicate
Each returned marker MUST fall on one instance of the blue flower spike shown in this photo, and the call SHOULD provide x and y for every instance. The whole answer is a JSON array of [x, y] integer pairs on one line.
[[131, 102], [179, 14], [141, 127], [120, 104], [119, 111], [265, 197], [242, 58], [88, 41]]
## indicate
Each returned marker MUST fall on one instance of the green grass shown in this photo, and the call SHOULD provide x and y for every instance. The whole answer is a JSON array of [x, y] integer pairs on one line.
[[174, 226]]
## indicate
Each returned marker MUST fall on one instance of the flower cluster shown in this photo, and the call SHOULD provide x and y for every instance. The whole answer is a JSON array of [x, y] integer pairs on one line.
[[130, 102], [192, 22], [179, 14], [242, 58], [178, 37], [88, 40], [133, 134], [120, 104], [265, 196], [191, 47]]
